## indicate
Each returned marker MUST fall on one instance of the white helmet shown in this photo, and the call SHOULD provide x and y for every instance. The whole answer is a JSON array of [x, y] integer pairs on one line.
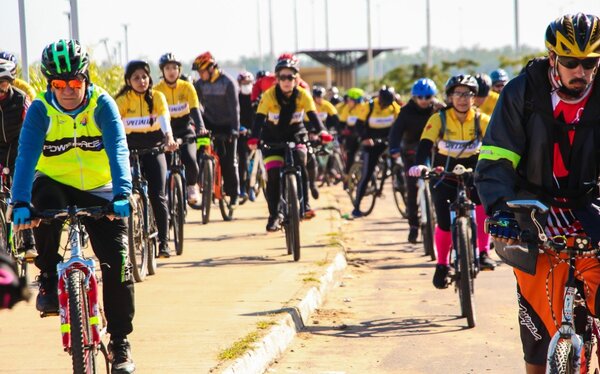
[[7, 69]]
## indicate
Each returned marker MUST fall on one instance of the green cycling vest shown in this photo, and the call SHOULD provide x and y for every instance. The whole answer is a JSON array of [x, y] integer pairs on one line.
[[73, 152]]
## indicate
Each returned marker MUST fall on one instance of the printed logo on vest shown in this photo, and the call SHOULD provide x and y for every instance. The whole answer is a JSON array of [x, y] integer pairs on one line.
[[85, 143]]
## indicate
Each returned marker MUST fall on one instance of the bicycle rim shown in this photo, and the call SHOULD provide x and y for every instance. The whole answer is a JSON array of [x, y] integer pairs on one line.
[[137, 245], [225, 204], [428, 228], [465, 289], [399, 189], [292, 228], [207, 189], [82, 350], [152, 242], [367, 204], [178, 215]]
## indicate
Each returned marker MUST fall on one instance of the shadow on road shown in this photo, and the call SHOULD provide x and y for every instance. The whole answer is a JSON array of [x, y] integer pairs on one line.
[[222, 261]]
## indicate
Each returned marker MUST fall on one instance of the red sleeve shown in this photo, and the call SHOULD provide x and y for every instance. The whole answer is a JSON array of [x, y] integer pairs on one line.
[[25, 107]]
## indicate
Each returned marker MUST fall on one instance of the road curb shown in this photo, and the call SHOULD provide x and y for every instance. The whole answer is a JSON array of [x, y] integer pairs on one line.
[[281, 335]]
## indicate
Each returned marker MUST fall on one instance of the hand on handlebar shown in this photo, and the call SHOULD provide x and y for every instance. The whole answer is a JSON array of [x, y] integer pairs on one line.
[[170, 143], [503, 226], [368, 142], [20, 216], [417, 170]]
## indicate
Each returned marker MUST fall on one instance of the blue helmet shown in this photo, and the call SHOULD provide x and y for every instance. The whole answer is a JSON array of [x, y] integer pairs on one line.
[[498, 75], [424, 87]]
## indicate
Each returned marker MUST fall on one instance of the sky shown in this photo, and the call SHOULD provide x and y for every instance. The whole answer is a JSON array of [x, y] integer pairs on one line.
[[230, 29]]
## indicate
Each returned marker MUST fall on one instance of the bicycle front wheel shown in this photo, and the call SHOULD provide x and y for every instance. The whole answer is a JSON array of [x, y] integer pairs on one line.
[[177, 212], [368, 200], [292, 222], [152, 242], [399, 189], [465, 264], [561, 361], [225, 205], [82, 349], [207, 188], [428, 227], [138, 252]]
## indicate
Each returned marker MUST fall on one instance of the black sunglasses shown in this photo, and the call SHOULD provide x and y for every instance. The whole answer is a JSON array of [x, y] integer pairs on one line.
[[572, 62], [427, 97], [289, 77]]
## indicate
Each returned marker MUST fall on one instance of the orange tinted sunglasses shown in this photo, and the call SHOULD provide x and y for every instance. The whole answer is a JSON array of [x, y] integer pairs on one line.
[[60, 84]]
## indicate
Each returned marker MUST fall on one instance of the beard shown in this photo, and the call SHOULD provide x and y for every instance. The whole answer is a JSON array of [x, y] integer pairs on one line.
[[574, 92]]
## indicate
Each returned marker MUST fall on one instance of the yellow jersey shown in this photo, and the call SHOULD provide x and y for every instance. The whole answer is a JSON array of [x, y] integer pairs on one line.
[[490, 103], [25, 87], [144, 129], [270, 108], [180, 98], [358, 113]]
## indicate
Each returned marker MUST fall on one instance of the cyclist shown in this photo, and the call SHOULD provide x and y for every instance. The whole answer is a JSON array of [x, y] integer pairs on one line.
[[18, 83], [333, 95], [12, 289], [486, 99], [499, 79], [456, 134], [245, 81], [53, 171], [353, 114], [218, 93], [262, 83], [541, 145], [404, 139], [278, 119], [186, 120], [145, 114], [267, 81]]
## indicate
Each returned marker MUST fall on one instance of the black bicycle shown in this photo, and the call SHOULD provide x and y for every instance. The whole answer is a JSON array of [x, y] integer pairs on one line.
[[330, 162], [426, 216], [291, 199], [142, 229], [177, 196]]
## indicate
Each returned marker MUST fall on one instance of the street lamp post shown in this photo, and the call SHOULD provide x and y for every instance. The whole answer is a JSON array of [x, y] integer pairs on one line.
[[68, 14], [369, 46], [125, 25], [74, 17], [23, 32]]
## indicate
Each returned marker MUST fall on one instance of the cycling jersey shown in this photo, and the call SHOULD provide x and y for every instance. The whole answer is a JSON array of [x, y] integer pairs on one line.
[[325, 111], [351, 116], [381, 119], [490, 103], [25, 87], [181, 100], [144, 129], [219, 97]]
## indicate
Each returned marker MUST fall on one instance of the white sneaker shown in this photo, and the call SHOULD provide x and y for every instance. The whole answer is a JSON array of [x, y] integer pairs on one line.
[[193, 194]]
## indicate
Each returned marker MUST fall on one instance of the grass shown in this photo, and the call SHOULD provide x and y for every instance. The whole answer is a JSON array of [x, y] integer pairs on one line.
[[246, 343]]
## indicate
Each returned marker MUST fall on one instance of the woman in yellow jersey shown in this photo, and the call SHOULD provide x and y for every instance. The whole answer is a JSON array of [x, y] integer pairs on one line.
[[186, 120], [278, 119], [145, 114], [352, 117], [456, 142]]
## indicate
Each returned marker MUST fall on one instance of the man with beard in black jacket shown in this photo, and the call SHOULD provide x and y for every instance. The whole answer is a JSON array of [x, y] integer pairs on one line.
[[404, 139]]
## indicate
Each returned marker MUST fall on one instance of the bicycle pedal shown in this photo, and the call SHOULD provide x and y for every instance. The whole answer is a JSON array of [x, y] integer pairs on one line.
[[49, 314]]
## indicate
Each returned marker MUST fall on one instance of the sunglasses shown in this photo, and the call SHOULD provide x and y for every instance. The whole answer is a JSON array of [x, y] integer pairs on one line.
[[427, 97], [499, 85], [283, 77], [60, 84], [572, 62], [467, 94]]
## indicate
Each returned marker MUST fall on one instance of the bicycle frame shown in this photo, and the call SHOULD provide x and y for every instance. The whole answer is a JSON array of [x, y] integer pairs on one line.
[[140, 185], [289, 168], [210, 153]]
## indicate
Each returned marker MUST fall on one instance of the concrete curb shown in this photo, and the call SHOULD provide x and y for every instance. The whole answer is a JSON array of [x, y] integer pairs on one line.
[[281, 335]]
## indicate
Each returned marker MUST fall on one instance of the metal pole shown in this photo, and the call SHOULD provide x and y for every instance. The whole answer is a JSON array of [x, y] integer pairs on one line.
[[272, 49], [120, 50], [23, 32], [296, 24], [126, 43], [314, 27], [517, 48], [68, 14], [326, 25], [428, 32], [74, 20], [369, 47], [260, 51]]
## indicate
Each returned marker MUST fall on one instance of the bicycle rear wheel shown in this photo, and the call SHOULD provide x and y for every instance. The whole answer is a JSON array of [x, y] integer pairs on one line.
[[152, 241], [82, 349], [465, 264], [177, 212], [399, 189], [138, 252], [292, 222], [428, 227], [207, 188], [368, 200], [225, 205], [561, 361]]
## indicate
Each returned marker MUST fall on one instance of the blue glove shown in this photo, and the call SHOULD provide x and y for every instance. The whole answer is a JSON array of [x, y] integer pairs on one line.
[[21, 215], [121, 207], [503, 225]]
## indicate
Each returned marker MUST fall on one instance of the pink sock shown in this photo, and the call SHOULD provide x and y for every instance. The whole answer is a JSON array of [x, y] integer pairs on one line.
[[483, 239], [443, 244]]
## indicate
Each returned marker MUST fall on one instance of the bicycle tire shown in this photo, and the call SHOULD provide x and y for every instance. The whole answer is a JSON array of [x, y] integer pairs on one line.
[[225, 204], [465, 261], [428, 228], [17, 242], [561, 360], [399, 189], [367, 203], [82, 352], [178, 212], [152, 242], [292, 226], [339, 167], [207, 189], [138, 251]]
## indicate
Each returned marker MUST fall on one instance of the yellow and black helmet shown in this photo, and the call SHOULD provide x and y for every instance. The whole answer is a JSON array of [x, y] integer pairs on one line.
[[574, 36]]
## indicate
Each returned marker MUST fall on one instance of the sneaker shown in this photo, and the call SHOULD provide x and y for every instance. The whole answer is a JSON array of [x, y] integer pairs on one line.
[[193, 194], [309, 214], [314, 191], [357, 213], [47, 298], [440, 278], [251, 195], [119, 352], [273, 224], [486, 262], [413, 234], [164, 251]]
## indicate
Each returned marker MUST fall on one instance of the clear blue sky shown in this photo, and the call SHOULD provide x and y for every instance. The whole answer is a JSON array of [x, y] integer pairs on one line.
[[230, 28]]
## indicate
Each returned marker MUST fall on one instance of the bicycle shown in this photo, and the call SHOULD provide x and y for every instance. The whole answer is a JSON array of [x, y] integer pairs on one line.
[[177, 196], [257, 174], [291, 198], [386, 167], [142, 229], [426, 216], [465, 261], [211, 178], [578, 331], [82, 322], [330, 162]]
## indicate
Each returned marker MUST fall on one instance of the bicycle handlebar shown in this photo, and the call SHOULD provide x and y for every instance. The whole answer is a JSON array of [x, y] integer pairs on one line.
[[73, 211]]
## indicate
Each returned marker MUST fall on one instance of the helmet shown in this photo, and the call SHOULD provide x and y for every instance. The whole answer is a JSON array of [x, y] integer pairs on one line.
[[498, 75], [7, 69], [424, 87], [318, 91], [334, 90], [287, 60], [262, 73], [10, 57], [134, 65], [387, 95], [245, 76], [574, 36], [64, 59], [485, 83], [166, 58], [461, 80], [203, 61], [356, 94]]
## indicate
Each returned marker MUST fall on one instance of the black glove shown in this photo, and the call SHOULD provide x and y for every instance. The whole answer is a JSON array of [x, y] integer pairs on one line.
[[503, 225]]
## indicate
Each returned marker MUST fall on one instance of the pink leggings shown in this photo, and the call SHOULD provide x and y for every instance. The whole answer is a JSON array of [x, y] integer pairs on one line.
[[443, 239]]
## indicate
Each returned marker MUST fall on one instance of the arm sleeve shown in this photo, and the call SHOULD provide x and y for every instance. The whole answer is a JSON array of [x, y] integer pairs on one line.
[[31, 143], [361, 128], [259, 122], [315, 121], [424, 152], [162, 112], [333, 121], [115, 143], [234, 106], [396, 133], [197, 118]]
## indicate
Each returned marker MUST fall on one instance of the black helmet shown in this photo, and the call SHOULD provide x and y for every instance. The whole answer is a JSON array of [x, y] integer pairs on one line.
[[261, 73], [484, 82], [166, 58], [64, 59], [134, 65], [318, 91], [387, 95], [462, 80]]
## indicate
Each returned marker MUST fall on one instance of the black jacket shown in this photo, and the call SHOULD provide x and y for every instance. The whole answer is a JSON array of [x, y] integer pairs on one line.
[[12, 113], [406, 130]]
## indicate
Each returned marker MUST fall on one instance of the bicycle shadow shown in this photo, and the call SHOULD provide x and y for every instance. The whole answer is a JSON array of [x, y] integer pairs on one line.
[[222, 261]]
